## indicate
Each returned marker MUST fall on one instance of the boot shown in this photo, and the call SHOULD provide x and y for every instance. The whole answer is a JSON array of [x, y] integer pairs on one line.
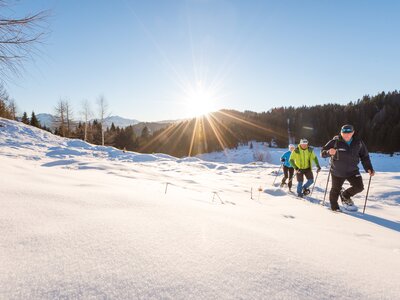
[[345, 199]]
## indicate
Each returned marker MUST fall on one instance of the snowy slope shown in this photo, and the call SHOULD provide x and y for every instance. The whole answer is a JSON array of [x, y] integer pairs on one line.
[[80, 221]]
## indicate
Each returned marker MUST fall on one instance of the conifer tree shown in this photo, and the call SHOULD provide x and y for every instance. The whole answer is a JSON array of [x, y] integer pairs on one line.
[[25, 118], [34, 121], [145, 133]]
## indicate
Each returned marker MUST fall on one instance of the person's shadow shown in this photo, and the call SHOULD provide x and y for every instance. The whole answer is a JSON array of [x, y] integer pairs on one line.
[[394, 225], [377, 220]]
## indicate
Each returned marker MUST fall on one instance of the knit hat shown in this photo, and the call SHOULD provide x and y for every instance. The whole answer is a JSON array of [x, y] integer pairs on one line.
[[347, 128], [304, 141]]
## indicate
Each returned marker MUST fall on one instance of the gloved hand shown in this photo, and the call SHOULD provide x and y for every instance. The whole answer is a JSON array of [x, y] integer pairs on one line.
[[282, 159], [318, 169]]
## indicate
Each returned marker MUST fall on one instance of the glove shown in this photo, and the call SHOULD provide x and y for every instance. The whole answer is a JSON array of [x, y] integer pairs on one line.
[[282, 159], [318, 169]]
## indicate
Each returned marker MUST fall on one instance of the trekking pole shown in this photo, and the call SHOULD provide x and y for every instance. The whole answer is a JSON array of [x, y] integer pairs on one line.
[[330, 168], [277, 174], [366, 197], [312, 190], [327, 181]]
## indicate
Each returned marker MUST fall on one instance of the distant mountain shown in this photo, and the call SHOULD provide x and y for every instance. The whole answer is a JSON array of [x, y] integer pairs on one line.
[[172, 121], [152, 126], [48, 119], [119, 121], [45, 119]]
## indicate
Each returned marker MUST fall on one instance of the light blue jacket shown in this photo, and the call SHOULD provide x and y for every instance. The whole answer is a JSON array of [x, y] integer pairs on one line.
[[286, 157]]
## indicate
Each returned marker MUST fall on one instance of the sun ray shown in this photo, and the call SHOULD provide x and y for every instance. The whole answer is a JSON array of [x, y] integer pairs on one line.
[[251, 124], [217, 133], [212, 115], [179, 138], [180, 81], [205, 136], [164, 134], [193, 136]]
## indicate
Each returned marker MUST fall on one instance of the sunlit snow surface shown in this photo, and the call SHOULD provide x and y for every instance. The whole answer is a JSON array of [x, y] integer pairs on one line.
[[79, 221]]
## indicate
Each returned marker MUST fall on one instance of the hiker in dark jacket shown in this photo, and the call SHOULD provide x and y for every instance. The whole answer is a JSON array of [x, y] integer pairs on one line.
[[346, 151]]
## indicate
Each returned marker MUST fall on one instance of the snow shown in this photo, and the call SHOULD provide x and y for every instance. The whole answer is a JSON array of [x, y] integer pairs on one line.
[[46, 119], [80, 221]]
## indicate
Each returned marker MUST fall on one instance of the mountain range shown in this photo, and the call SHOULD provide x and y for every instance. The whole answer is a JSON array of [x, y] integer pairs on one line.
[[48, 121]]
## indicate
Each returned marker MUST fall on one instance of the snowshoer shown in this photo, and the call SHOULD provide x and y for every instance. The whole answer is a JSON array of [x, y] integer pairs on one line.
[[288, 170], [301, 160], [346, 150]]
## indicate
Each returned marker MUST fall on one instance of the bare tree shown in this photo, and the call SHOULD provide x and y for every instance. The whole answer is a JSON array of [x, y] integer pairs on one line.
[[3, 92], [12, 107], [102, 111], [19, 38], [63, 117], [86, 113], [59, 118], [68, 116], [6, 110]]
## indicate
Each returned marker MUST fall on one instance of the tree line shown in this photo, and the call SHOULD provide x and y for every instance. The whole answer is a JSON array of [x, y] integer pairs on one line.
[[375, 118]]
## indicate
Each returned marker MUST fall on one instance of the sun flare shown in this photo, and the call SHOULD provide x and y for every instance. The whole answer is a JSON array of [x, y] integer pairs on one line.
[[199, 100]]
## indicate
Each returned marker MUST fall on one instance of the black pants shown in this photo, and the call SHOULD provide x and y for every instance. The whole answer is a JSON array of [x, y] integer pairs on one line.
[[356, 186], [288, 173]]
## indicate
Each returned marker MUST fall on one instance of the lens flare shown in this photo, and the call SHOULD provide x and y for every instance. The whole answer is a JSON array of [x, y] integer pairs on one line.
[[199, 100]]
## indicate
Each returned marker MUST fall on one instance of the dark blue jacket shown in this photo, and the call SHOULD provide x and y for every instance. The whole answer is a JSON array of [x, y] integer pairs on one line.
[[345, 162]]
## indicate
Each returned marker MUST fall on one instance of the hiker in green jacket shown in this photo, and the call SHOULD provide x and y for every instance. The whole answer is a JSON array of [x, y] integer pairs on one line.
[[301, 160]]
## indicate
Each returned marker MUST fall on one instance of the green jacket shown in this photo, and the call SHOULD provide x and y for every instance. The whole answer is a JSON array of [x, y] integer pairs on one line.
[[301, 159]]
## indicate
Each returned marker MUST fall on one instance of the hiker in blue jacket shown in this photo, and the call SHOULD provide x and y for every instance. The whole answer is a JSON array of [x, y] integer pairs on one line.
[[287, 167]]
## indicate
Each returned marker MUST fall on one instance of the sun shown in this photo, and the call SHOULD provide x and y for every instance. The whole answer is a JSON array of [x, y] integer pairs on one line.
[[199, 100]]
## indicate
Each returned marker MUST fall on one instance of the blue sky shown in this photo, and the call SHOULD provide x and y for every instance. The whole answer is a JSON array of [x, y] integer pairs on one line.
[[144, 56]]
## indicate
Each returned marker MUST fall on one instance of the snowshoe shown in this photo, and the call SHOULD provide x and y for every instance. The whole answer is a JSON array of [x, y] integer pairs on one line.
[[306, 192], [347, 203], [345, 200], [349, 207]]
